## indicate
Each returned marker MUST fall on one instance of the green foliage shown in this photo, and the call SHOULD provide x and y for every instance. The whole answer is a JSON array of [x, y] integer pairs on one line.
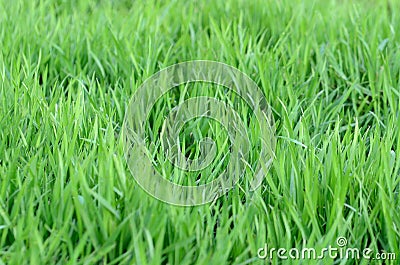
[[329, 69]]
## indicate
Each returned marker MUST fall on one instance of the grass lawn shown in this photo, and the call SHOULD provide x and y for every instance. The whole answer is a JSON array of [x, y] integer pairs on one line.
[[330, 70]]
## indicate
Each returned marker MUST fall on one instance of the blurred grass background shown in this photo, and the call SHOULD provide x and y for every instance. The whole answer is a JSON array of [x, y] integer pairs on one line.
[[329, 69]]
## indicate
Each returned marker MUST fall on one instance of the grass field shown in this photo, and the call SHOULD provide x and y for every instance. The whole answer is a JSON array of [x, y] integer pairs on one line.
[[330, 71]]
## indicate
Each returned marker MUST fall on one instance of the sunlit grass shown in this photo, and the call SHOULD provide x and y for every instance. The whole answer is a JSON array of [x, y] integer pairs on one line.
[[329, 69]]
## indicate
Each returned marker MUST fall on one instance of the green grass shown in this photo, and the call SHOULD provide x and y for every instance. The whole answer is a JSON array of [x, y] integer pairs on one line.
[[329, 69]]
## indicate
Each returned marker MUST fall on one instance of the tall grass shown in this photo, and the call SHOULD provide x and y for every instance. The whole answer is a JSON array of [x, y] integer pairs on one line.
[[329, 69]]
